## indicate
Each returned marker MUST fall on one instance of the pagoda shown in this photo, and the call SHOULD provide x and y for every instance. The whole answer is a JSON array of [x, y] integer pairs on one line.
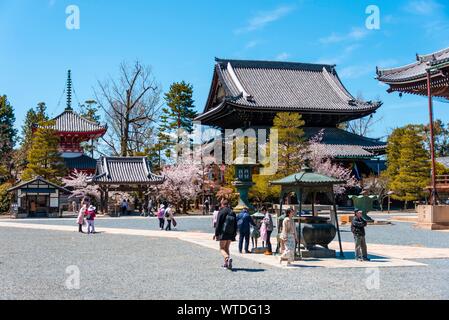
[[73, 130], [248, 94]]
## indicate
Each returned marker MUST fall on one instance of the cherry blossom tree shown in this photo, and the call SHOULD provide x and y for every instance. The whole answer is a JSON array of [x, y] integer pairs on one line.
[[322, 163], [183, 183], [78, 182]]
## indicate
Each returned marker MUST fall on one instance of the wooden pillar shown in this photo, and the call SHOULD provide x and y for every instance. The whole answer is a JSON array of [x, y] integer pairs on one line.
[[106, 200], [432, 141], [342, 255]]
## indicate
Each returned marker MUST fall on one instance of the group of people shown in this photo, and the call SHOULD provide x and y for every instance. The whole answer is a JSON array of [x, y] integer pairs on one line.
[[227, 224], [166, 213], [86, 215]]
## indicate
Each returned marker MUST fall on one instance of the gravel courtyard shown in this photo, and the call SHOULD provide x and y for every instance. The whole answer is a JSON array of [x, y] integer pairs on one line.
[[33, 266]]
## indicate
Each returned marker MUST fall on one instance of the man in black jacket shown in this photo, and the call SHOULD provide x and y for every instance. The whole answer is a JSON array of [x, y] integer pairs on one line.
[[358, 229], [226, 231]]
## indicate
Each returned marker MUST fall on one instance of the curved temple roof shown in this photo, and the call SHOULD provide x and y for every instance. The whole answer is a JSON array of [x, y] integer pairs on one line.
[[69, 121], [413, 71], [286, 86], [125, 170]]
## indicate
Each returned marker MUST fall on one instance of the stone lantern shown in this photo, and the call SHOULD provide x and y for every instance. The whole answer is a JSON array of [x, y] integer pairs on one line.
[[243, 181]]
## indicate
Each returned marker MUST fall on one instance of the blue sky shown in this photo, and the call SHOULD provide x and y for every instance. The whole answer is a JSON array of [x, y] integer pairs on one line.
[[180, 39]]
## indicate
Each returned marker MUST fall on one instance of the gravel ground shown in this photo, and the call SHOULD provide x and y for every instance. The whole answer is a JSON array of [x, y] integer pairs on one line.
[[399, 233], [33, 265]]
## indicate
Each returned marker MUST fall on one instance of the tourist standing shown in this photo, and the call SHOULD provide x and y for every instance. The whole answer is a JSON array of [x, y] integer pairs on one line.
[[168, 217], [206, 207], [358, 229], [161, 216], [123, 206], [215, 216], [90, 217], [150, 207], [289, 237], [267, 225], [226, 231], [244, 223], [80, 218]]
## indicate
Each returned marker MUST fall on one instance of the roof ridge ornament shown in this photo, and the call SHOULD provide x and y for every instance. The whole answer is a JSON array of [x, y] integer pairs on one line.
[[69, 91], [238, 84]]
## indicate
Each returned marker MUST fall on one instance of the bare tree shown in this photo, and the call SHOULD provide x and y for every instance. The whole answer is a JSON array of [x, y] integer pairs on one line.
[[131, 105], [362, 126]]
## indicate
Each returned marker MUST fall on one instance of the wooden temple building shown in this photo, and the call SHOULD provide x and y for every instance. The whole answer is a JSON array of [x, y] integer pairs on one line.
[[73, 130], [123, 174], [427, 76], [248, 94]]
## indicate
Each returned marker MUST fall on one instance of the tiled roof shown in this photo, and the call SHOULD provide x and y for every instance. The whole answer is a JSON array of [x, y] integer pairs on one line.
[[83, 162], [287, 85], [125, 170], [414, 70], [41, 179], [338, 143], [70, 121], [444, 161]]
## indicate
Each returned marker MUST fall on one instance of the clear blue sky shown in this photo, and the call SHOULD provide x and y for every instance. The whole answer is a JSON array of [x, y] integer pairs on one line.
[[180, 39]]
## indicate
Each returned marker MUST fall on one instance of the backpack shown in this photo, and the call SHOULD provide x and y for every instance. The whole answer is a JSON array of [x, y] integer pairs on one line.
[[167, 213], [229, 224]]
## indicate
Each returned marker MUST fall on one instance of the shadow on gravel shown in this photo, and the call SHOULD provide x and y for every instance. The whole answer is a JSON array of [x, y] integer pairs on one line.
[[247, 270]]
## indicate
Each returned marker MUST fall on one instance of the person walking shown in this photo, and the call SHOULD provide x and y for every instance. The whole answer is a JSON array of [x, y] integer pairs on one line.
[[226, 231], [267, 227], [90, 217], [80, 218], [358, 229], [161, 216], [289, 236], [169, 217], [244, 223]]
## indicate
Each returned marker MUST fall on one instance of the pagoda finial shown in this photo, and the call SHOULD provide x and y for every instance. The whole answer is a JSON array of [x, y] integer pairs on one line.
[[69, 91]]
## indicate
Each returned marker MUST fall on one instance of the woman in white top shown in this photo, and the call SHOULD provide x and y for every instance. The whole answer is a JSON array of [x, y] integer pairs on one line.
[[290, 237]]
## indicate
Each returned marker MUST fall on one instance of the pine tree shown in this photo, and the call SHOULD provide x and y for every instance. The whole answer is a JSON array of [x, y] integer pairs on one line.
[[410, 171], [43, 157], [179, 114], [291, 142], [7, 137], [32, 118]]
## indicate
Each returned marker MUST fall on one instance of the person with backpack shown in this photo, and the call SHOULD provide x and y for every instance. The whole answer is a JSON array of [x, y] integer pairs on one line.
[[161, 216], [90, 218], [358, 229], [226, 231], [244, 223]]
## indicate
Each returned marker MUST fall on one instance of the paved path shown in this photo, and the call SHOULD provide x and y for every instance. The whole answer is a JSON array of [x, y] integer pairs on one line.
[[382, 255]]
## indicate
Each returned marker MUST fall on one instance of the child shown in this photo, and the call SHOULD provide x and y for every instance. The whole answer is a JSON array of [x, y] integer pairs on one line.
[[90, 217], [255, 234]]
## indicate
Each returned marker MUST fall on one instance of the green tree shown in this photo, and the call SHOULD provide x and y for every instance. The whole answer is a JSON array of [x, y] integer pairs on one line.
[[5, 197], [7, 137], [43, 157], [178, 114], [32, 118], [408, 165], [291, 142], [89, 111]]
